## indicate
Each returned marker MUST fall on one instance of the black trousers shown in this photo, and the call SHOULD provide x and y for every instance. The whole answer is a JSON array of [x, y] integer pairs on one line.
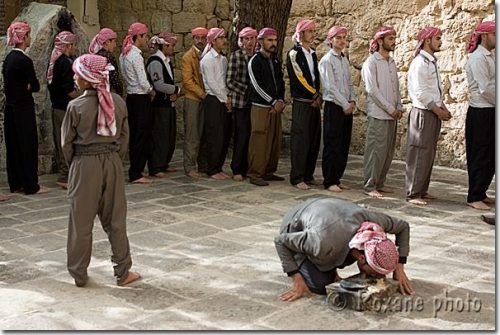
[[305, 140], [315, 279], [241, 138], [336, 140], [140, 121], [21, 143], [216, 133], [163, 138], [480, 151]]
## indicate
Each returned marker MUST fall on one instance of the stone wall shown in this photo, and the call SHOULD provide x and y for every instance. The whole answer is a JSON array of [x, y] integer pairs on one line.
[[457, 19]]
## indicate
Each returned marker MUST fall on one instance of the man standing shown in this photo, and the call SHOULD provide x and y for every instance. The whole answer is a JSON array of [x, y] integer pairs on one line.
[[322, 235], [104, 44], [192, 85], [161, 73], [238, 84], [426, 94], [62, 89], [95, 151], [480, 121], [139, 96], [383, 106], [267, 97], [217, 104], [340, 97], [302, 66], [21, 137]]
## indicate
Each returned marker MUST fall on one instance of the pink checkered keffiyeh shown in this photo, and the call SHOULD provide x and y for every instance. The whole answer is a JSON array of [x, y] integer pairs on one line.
[[164, 37], [380, 34], [212, 35], [102, 36], [301, 27], [426, 33], [16, 32], [246, 32], [334, 31], [135, 29], [483, 28], [380, 252], [62, 39], [95, 69]]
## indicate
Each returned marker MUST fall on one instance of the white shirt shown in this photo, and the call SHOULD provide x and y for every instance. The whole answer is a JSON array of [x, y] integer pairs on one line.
[[310, 61], [480, 71], [424, 82], [336, 79], [380, 76], [134, 73], [213, 68]]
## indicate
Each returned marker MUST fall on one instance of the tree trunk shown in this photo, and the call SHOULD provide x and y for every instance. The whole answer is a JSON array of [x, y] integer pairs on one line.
[[260, 14]]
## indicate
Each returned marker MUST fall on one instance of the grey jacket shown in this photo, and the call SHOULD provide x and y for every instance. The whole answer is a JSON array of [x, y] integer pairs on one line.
[[320, 230]]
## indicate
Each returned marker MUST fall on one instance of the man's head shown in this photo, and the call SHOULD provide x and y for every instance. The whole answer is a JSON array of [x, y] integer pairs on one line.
[[337, 38], [216, 39], [484, 35], [18, 35], [268, 40], [220, 43], [199, 37], [305, 32], [137, 35], [384, 40], [165, 42], [376, 255], [64, 43], [429, 39], [247, 38], [105, 39]]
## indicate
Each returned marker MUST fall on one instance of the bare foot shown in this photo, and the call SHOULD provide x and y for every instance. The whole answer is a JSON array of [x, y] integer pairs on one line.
[[142, 180], [193, 174], [225, 175], [429, 196], [43, 189], [4, 198], [489, 201], [385, 190], [315, 182], [344, 187], [335, 188], [218, 176], [62, 184], [132, 277], [478, 205], [171, 169], [302, 186], [418, 201], [238, 177], [374, 194], [160, 175]]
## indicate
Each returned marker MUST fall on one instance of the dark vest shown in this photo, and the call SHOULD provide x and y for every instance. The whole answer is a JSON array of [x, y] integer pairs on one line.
[[161, 99]]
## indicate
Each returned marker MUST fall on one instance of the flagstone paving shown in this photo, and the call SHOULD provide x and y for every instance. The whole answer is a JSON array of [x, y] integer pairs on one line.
[[205, 251]]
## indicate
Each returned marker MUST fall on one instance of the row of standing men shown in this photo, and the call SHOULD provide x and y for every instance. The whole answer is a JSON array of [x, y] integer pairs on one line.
[[249, 91]]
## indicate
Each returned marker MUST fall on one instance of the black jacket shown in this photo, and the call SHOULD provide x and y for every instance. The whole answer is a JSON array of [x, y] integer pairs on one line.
[[265, 91], [62, 82], [161, 98], [18, 72], [302, 86]]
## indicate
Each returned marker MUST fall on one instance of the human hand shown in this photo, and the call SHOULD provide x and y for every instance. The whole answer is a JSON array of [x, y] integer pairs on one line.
[[298, 290], [404, 283], [173, 97]]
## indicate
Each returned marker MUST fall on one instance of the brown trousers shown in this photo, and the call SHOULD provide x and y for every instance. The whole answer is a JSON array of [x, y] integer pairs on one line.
[[423, 134], [96, 187], [265, 143]]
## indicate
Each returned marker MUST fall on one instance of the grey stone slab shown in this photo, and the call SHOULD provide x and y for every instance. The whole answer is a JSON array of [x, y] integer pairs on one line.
[[10, 234], [18, 271], [172, 320], [193, 211], [8, 222], [11, 209], [137, 225], [177, 201], [145, 296], [46, 203], [163, 261], [44, 226], [185, 189], [227, 311], [44, 242], [227, 222], [44, 214], [141, 208], [264, 291], [157, 217], [154, 239], [192, 229], [147, 196], [208, 248], [381, 204], [220, 204]]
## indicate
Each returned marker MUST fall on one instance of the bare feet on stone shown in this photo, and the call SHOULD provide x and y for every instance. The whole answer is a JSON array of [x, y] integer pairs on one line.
[[302, 186], [3, 198], [131, 277], [62, 184], [193, 174], [429, 196], [418, 202], [160, 175], [386, 190], [142, 180], [489, 201], [335, 188], [374, 194], [238, 177], [344, 187], [171, 169], [218, 176], [44, 189], [225, 175], [478, 205]]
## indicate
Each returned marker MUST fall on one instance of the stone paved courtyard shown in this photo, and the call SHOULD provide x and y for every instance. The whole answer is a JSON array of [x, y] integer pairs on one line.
[[206, 253]]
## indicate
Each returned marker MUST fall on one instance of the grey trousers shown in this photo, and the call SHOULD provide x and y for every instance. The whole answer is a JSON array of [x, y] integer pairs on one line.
[[62, 167], [423, 134], [379, 151], [193, 130], [96, 187]]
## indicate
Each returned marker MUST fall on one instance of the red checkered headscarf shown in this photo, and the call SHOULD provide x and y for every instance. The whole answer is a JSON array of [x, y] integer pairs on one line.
[[164, 37], [334, 31], [302, 26], [426, 33], [263, 33], [95, 69], [62, 39], [380, 34], [483, 28], [380, 252], [246, 32], [102, 36], [212, 35], [16, 32], [199, 31], [135, 29]]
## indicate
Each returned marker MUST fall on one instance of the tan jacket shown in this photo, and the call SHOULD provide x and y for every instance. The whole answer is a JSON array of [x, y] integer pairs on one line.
[[192, 82]]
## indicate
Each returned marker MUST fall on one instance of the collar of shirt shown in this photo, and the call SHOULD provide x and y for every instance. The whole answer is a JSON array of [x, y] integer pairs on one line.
[[378, 56], [310, 51], [24, 52], [336, 54], [214, 53], [427, 55], [162, 56], [136, 49], [483, 50]]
